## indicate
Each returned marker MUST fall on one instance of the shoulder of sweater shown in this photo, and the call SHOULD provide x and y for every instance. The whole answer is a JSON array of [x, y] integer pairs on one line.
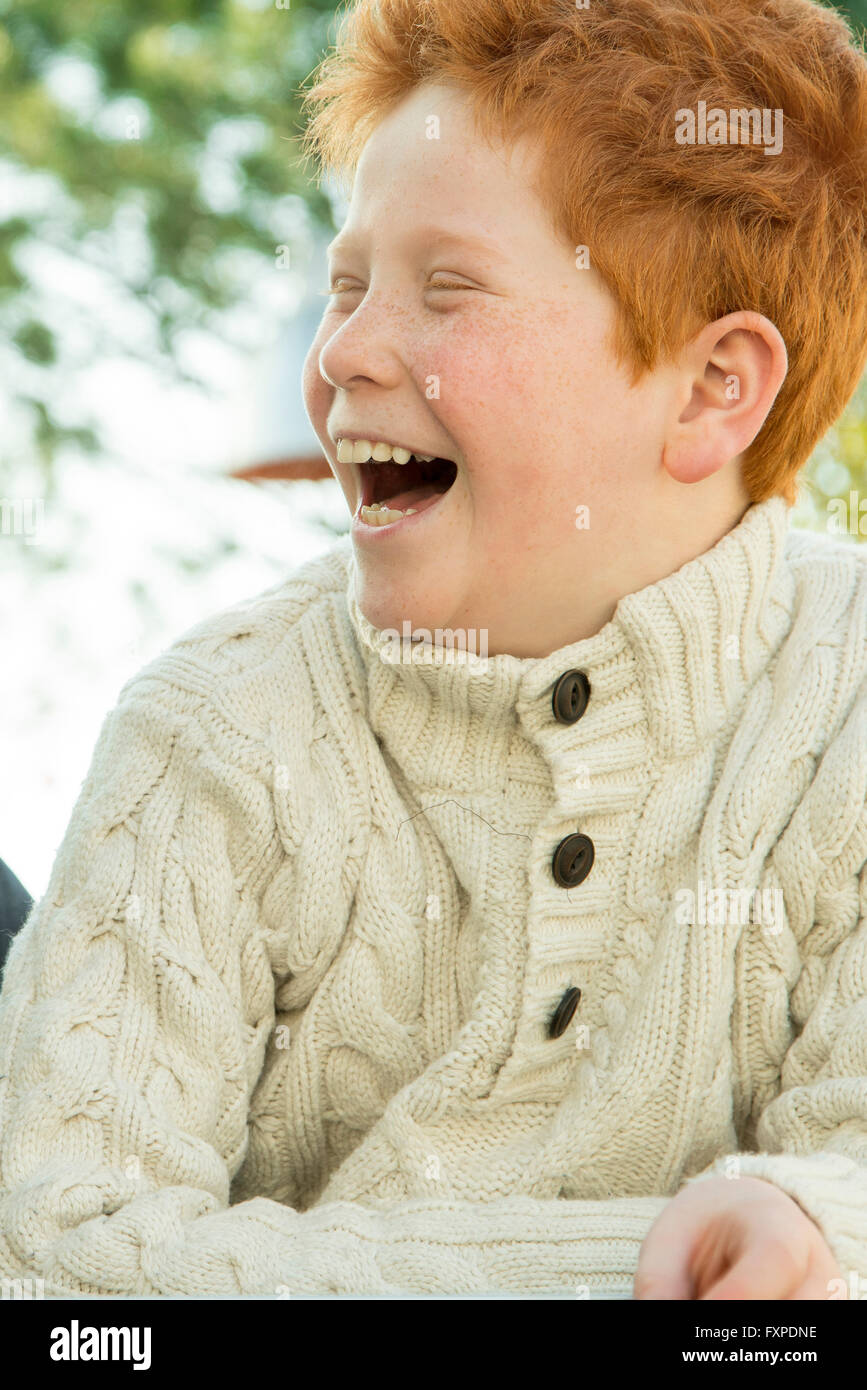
[[826, 666], [829, 597], [239, 653], [806, 547]]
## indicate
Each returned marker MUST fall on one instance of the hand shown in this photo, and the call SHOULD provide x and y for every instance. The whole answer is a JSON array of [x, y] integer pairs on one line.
[[734, 1238]]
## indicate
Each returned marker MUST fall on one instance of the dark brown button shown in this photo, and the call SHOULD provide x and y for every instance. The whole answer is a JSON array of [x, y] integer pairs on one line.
[[570, 697], [573, 860], [564, 1013]]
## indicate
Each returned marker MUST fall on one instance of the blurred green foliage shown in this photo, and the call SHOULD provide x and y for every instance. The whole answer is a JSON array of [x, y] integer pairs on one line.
[[186, 116], [185, 112]]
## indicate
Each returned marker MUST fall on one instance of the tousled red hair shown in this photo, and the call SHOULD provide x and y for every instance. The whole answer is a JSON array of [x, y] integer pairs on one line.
[[680, 234]]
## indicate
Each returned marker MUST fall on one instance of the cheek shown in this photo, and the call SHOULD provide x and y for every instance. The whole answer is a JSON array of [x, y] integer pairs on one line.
[[547, 412], [315, 390], [479, 376]]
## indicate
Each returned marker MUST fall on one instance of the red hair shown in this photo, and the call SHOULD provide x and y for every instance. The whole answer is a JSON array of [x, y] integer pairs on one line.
[[680, 235]]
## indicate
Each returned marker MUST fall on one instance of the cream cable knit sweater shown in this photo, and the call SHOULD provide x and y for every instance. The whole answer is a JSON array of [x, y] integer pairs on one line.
[[279, 1023]]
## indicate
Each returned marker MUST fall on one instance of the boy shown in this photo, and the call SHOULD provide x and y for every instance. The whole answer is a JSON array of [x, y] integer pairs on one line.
[[372, 965]]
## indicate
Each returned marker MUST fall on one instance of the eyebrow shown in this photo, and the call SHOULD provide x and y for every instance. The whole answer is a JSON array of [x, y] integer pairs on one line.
[[432, 236]]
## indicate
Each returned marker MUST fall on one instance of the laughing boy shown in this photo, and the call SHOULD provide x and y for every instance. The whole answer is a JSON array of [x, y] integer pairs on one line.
[[374, 973]]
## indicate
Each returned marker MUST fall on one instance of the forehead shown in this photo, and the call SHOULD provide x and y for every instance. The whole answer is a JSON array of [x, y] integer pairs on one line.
[[426, 167], [435, 235]]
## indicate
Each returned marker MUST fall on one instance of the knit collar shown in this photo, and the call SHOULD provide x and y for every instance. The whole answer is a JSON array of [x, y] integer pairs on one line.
[[680, 653]]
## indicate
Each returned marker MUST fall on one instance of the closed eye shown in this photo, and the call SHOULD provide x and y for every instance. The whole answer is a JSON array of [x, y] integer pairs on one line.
[[337, 289], [441, 285]]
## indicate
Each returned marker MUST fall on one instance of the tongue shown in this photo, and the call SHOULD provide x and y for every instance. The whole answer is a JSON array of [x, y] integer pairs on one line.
[[424, 493]]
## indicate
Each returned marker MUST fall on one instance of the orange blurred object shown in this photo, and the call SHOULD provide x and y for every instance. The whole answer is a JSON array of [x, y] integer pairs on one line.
[[297, 468]]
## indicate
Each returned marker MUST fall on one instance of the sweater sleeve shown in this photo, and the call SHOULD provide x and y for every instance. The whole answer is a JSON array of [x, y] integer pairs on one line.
[[812, 1137], [135, 1011]]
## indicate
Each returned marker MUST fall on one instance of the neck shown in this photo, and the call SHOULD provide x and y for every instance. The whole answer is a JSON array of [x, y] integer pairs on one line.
[[686, 647], [533, 623]]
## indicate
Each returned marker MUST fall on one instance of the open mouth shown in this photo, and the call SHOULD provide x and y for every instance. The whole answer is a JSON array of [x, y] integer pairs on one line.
[[407, 484]]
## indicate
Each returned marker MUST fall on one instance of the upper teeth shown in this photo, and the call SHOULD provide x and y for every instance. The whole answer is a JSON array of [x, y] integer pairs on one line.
[[362, 450]]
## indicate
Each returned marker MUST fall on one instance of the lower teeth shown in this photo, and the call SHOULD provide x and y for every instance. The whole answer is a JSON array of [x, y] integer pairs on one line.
[[379, 514]]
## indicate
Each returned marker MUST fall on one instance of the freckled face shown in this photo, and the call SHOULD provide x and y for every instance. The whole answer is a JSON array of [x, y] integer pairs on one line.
[[494, 356]]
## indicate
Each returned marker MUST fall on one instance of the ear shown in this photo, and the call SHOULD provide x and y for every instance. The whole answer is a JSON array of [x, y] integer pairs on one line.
[[727, 379]]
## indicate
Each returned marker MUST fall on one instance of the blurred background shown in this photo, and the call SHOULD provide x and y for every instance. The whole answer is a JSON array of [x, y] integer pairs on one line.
[[161, 262]]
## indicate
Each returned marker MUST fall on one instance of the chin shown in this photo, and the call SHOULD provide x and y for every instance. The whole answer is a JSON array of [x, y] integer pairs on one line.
[[390, 605], [381, 601]]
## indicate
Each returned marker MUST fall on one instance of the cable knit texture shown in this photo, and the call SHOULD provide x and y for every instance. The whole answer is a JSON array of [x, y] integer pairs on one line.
[[279, 1022]]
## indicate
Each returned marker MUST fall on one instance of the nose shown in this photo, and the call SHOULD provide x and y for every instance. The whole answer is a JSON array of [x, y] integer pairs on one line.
[[364, 348]]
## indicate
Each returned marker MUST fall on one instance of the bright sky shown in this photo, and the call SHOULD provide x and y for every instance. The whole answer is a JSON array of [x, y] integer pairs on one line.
[[124, 524]]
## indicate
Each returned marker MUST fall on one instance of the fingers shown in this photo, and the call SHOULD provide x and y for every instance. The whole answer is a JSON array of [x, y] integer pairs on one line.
[[824, 1275], [664, 1260], [714, 1243], [766, 1270]]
